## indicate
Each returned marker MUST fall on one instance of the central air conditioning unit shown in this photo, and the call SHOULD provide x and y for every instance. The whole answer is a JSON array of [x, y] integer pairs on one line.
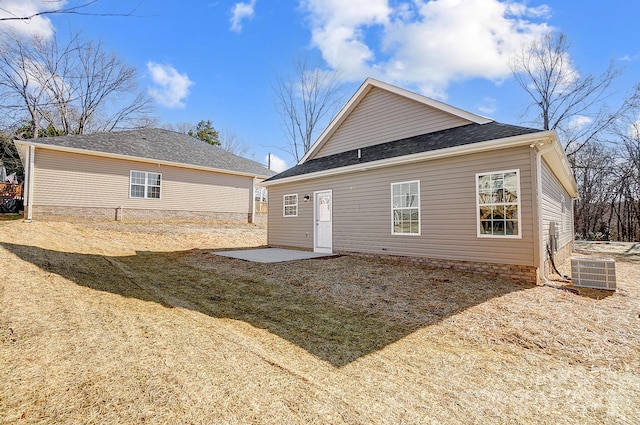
[[598, 273]]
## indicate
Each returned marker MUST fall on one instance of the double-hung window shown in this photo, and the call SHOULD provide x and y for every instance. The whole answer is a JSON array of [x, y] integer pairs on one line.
[[405, 208], [498, 204], [290, 205], [144, 184]]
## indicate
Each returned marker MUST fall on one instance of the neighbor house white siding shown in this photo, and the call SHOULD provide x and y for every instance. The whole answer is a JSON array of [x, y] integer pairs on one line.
[[64, 179]]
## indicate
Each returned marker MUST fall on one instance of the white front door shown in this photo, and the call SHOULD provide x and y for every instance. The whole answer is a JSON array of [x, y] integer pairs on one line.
[[322, 214]]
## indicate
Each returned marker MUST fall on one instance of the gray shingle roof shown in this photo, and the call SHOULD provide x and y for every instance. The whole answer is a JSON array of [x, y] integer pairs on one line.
[[163, 145], [457, 136]]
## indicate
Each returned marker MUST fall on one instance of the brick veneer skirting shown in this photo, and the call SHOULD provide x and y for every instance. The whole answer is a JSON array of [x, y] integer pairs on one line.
[[525, 274], [117, 214]]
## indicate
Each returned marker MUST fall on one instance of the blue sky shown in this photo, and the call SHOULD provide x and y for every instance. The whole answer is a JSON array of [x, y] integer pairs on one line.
[[218, 60]]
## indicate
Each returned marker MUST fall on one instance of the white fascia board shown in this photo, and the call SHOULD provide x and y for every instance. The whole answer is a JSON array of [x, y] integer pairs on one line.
[[338, 119], [508, 142], [559, 164], [135, 158], [368, 84]]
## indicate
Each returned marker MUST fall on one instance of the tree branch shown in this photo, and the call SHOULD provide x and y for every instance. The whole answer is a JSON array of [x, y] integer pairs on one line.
[[74, 10]]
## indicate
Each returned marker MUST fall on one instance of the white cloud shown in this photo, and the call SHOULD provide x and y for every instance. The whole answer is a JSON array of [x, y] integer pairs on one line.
[[41, 79], [522, 9], [488, 105], [579, 122], [240, 12], [423, 44], [171, 87], [630, 58], [277, 164], [634, 131], [338, 31], [37, 26]]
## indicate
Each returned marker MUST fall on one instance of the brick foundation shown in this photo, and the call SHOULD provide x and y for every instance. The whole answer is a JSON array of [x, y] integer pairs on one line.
[[117, 214], [525, 274]]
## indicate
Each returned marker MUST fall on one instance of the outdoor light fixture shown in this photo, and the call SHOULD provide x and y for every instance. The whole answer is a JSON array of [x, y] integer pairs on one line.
[[307, 197]]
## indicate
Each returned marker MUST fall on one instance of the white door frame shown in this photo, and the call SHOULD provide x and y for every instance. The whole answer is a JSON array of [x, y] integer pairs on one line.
[[324, 249]]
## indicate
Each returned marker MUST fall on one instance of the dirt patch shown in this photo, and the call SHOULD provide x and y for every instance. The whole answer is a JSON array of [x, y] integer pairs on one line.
[[140, 323], [627, 250]]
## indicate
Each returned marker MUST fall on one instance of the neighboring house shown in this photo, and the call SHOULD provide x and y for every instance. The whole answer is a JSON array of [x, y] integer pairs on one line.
[[138, 174], [398, 174]]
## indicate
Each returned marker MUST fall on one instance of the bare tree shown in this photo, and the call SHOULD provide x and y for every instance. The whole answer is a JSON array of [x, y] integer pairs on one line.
[[74, 88], [230, 142], [608, 176], [562, 98], [303, 100], [23, 79], [575, 105], [101, 76], [592, 167], [624, 215], [180, 127]]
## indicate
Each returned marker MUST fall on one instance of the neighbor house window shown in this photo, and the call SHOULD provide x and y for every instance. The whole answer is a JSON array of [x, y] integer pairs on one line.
[[144, 185], [290, 205], [498, 203], [405, 208]]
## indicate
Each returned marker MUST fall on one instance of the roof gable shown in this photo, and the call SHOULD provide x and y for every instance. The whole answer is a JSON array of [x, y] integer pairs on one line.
[[154, 144], [379, 112]]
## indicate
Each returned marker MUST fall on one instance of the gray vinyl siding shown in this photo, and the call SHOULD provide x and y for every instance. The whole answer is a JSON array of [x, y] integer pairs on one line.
[[362, 210], [552, 196], [76, 180], [383, 116]]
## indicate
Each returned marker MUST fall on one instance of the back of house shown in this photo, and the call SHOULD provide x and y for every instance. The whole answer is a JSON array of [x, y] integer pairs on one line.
[[398, 174]]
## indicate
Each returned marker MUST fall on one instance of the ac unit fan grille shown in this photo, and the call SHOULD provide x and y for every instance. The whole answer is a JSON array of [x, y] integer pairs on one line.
[[598, 273]]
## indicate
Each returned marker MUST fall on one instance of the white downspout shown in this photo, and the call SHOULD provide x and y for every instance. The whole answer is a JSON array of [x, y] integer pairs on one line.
[[25, 184], [541, 242], [31, 153], [252, 202]]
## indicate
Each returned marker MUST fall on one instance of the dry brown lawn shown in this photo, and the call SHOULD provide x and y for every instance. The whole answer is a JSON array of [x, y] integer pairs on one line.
[[141, 323]]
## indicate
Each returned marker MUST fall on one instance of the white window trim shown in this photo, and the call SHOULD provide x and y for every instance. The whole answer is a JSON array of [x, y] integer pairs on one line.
[[393, 232], [284, 205], [478, 225], [145, 184]]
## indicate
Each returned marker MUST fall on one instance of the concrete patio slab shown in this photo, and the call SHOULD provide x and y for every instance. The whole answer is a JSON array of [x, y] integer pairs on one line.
[[271, 255]]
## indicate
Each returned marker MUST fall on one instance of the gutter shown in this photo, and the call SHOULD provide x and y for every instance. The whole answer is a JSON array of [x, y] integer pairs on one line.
[[139, 159], [525, 139], [31, 154]]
